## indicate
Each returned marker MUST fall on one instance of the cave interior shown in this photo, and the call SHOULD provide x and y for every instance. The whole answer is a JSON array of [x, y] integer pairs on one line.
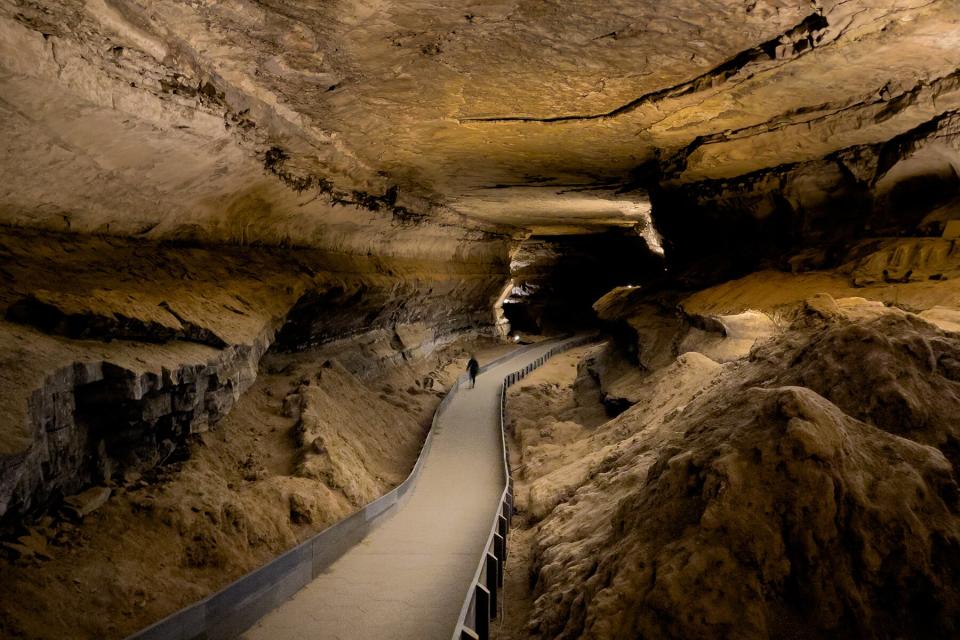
[[246, 247]]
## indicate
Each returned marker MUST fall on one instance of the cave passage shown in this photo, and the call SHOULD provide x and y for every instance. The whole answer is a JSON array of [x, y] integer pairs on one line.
[[557, 279], [247, 249]]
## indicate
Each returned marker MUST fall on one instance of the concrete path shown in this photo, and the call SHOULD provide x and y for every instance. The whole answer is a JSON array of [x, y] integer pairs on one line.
[[407, 579]]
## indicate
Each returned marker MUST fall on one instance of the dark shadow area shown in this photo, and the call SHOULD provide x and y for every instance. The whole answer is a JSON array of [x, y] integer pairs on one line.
[[558, 278]]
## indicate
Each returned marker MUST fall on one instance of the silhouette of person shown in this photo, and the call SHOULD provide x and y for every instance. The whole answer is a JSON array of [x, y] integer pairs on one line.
[[473, 368]]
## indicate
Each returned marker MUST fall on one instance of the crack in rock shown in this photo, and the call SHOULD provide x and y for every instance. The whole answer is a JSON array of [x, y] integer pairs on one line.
[[810, 33]]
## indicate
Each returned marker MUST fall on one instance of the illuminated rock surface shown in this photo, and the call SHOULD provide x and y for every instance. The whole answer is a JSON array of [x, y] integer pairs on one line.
[[244, 245], [174, 119], [808, 490]]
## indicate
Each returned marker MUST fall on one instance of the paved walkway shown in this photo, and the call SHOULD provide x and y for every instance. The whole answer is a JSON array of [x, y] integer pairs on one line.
[[407, 579]]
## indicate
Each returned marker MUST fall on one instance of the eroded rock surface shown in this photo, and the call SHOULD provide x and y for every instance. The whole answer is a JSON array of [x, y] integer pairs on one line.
[[210, 182], [807, 490], [298, 122], [142, 345]]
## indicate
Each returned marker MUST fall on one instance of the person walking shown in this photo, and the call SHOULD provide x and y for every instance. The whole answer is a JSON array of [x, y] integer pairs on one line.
[[473, 369]]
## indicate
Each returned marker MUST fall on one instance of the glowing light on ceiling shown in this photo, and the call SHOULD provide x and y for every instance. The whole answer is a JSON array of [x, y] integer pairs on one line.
[[551, 210], [652, 237], [645, 228]]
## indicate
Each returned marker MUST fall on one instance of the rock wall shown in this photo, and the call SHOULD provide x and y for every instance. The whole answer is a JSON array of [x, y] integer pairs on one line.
[[92, 420], [807, 215], [114, 366]]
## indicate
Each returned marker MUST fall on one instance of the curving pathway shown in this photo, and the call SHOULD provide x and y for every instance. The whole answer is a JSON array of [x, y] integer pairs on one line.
[[407, 579]]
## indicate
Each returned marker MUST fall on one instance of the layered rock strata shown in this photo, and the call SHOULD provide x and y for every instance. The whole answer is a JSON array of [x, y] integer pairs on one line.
[[283, 122], [806, 215], [142, 345]]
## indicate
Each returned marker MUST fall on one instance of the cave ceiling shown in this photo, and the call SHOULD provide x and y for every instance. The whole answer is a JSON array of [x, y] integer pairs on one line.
[[154, 118]]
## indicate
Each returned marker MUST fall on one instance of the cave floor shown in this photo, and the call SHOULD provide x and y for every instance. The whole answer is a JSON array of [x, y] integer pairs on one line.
[[409, 577]]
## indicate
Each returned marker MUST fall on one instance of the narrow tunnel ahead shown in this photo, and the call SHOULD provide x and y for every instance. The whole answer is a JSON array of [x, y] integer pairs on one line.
[[556, 279]]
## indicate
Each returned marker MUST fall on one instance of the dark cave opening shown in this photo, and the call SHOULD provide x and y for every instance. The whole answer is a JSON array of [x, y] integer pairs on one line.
[[556, 279]]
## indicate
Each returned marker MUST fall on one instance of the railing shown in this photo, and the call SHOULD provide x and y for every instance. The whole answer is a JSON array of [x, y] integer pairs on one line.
[[481, 604], [238, 606]]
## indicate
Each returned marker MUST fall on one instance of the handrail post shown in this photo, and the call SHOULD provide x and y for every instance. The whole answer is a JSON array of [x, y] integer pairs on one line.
[[482, 612], [502, 529], [494, 581], [500, 550]]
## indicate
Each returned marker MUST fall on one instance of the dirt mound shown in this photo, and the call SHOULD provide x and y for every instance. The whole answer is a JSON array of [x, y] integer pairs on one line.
[[896, 372], [353, 447], [809, 490], [776, 513]]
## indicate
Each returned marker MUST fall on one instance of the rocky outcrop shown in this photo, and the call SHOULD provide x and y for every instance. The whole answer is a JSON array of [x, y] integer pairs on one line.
[[113, 369], [99, 315], [652, 333], [654, 324], [90, 420], [809, 489], [809, 215], [905, 382], [904, 261]]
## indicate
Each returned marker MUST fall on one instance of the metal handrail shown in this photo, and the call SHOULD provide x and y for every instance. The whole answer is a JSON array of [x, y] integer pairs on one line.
[[480, 605], [236, 607]]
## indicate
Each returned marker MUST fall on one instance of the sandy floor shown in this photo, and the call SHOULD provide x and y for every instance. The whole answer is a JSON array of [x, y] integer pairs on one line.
[[266, 477]]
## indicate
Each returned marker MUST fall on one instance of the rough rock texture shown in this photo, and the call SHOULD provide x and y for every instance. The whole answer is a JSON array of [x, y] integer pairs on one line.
[[142, 345], [239, 499], [652, 333], [293, 121], [654, 324], [803, 216], [356, 176], [345, 445], [808, 490]]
